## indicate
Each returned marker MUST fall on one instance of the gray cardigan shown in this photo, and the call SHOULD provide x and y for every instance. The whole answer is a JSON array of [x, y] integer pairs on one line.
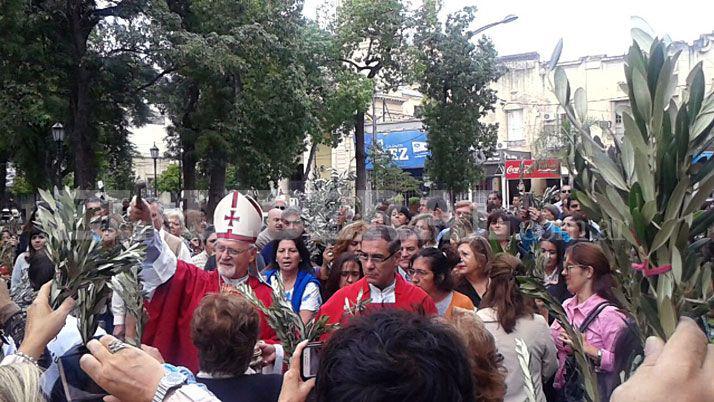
[[543, 355]]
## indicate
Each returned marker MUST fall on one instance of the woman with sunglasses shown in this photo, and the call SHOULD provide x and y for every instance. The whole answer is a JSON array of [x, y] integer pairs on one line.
[[346, 270], [588, 276], [431, 271]]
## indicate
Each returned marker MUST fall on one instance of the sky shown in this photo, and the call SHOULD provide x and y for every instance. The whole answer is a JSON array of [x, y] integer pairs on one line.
[[587, 27]]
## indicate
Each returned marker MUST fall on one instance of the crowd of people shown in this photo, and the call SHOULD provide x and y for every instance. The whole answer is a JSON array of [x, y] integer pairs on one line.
[[427, 302]]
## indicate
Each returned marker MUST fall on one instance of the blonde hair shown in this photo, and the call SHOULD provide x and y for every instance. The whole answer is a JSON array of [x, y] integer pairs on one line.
[[487, 369], [20, 383]]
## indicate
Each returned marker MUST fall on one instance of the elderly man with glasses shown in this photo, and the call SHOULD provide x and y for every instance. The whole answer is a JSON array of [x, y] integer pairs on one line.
[[382, 286]]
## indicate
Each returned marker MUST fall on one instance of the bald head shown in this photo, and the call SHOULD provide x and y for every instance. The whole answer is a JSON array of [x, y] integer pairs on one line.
[[275, 221]]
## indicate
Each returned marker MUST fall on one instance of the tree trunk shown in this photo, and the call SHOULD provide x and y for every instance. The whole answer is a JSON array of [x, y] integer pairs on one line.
[[80, 131], [3, 181], [310, 162], [361, 180], [216, 187]]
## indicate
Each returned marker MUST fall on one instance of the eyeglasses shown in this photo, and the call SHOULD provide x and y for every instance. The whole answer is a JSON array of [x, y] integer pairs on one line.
[[570, 267], [376, 258], [417, 272], [231, 252]]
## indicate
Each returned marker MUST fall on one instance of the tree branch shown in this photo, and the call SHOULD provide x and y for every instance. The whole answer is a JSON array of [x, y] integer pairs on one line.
[[355, 65], [155, 79]]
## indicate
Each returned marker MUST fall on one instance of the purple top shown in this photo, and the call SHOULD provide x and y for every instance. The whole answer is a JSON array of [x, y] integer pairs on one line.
[[602, 332]]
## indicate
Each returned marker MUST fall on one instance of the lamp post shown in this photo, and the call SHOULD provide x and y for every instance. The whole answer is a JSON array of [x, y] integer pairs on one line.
[[505, 20], [58, 137], [155, 155]]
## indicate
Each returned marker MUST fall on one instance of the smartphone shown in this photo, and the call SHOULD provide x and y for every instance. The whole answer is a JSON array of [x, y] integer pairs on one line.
[[75, 383], [310, 360]]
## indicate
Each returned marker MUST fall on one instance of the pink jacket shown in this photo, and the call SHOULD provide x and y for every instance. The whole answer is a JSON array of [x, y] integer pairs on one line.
[[602, 332]]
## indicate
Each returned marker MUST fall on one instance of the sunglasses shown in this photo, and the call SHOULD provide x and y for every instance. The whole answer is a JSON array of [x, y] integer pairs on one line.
[[282, 208], [564, 191]]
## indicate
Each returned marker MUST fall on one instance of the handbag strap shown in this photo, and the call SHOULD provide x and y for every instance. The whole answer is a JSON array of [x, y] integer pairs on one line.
[[592, 316]]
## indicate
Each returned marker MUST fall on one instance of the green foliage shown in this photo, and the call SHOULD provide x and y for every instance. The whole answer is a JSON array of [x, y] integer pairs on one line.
[[287, 324], [456, 75], [649, 171], [169, 180], [21, 187], [386, 175], [83, 268]]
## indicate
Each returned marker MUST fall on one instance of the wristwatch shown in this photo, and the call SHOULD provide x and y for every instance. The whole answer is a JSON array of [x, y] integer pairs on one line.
[[169, 381]]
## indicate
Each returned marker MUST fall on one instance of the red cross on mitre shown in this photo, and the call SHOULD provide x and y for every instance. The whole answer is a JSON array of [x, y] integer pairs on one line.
[[232, 217]]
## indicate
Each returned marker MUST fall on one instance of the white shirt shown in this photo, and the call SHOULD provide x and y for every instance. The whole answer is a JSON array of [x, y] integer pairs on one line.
[[385, 295], [311, 299]]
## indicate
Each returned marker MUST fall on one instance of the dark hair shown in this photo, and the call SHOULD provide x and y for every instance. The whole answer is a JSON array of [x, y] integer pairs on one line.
[[500, 214], [224, 329], [591, 255], [503, 294], [560, 246], [436, 202], [30, 224], [301, 248], [394, 355], [440, 267], [332, 284], [40, 271], [582, 221], [404, 210], [383, 232], [497, 194], [207, 232], [31, 252], [406, 232]]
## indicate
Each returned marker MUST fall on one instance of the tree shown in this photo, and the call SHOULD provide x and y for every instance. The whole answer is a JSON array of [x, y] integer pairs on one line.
[[372, 36], [455, 77], [84, 63], [248, 90], [386, 175], [169, 181]]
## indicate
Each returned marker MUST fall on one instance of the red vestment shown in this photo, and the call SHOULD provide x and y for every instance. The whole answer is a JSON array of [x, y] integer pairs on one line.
[[406, 296], [171, 308]]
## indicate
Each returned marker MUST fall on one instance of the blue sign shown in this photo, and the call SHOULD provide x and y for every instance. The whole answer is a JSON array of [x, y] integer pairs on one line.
[[408, 148]]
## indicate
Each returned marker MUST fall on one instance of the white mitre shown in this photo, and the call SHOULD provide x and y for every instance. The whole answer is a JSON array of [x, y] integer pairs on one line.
[[238, 217]]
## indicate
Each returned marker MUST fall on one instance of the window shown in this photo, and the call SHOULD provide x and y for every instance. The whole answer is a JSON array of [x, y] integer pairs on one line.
[[515, 125], [618, 118]]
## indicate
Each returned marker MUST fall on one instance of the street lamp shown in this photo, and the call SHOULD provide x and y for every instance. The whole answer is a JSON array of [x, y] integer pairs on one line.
[[155, 155], [505, 20], [58, 137]]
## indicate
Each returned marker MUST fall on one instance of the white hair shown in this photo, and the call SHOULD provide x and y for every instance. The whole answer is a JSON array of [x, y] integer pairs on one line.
[[175, 213]]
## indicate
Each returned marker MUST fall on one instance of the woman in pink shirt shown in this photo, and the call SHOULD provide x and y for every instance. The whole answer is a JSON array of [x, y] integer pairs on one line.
[[589, 277]]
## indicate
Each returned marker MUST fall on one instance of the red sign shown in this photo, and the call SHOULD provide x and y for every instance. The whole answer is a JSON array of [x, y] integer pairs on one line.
[[533, 169]]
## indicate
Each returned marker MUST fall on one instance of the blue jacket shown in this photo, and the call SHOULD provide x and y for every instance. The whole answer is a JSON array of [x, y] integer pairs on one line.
[[305, 276]]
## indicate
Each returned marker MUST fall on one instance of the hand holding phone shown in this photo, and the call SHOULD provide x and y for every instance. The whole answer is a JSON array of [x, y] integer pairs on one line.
[[310, 360], [294, 388]]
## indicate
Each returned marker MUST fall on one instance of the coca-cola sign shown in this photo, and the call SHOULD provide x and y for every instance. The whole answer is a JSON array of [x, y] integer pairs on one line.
[[533, 169]]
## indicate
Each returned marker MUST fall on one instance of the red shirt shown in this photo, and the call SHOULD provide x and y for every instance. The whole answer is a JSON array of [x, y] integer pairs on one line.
[[407, 297], [171, 309]]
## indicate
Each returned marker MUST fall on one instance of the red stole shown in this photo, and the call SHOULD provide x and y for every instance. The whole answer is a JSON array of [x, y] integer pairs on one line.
[[171, 309], [407, 297]]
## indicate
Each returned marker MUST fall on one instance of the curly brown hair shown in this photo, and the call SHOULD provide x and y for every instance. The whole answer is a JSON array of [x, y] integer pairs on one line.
[[487, 369], [347, 235], [224, 328]]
